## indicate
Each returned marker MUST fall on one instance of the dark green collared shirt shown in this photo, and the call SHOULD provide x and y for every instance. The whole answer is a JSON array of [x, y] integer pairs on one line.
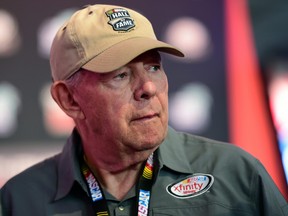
[[194, 176]]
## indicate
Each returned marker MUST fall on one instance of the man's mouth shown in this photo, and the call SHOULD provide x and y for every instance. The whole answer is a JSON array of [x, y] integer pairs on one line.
[[146, 117]]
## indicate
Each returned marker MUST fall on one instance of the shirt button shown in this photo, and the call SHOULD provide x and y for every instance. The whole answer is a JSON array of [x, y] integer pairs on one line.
[[121, 208]]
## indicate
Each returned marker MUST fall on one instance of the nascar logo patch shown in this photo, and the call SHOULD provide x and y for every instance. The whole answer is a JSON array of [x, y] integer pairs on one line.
[[191, 186]]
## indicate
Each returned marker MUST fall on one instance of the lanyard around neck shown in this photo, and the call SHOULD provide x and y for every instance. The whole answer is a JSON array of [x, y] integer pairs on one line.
[[143, 192]]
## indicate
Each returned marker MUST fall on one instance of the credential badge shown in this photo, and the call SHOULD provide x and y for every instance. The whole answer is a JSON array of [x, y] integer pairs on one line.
[[120, 19], [191, 186]]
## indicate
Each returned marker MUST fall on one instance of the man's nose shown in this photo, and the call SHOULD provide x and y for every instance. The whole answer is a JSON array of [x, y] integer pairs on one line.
[[145, 87]]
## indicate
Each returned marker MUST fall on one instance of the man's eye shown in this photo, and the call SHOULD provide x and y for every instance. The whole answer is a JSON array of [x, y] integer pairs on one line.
[[154, 68], [121, 75]]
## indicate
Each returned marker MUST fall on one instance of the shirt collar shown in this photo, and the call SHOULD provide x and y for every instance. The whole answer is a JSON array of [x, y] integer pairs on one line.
[[172, 154], [69, 166]]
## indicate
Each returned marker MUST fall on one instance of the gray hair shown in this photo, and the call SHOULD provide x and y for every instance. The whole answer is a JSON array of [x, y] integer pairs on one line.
[[73, 81]]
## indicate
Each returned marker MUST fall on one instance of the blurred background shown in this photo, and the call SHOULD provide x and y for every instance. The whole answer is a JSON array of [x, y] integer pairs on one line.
[[231, 86]]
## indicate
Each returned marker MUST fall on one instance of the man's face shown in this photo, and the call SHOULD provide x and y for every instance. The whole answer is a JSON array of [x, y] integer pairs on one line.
[[126, 109]]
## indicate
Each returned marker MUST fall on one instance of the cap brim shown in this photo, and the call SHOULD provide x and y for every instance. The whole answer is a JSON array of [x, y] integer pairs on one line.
[[122, 53]]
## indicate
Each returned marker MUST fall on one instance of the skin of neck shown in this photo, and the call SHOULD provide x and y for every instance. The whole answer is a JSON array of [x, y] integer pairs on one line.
[[117, 171], [117, 183]]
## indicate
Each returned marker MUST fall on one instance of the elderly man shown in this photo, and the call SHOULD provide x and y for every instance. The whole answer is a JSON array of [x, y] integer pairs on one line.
[[122, 158]]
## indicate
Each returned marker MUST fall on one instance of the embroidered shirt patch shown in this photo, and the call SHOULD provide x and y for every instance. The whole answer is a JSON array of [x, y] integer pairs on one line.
[[191, 186]]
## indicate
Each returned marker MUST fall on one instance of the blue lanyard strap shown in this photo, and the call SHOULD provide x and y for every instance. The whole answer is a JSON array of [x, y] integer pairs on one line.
[[99, 202]]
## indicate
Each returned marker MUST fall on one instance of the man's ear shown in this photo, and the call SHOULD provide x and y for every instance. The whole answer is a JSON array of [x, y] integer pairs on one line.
[[65, 100]]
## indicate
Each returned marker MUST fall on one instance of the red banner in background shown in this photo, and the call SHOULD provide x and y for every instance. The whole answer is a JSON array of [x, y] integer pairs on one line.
[[249, 117]]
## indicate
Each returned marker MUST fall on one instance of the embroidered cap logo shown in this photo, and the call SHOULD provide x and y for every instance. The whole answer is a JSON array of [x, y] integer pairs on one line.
[[120, 19]]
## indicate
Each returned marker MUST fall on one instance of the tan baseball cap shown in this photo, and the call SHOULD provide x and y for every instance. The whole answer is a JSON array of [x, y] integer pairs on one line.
[[102, 38]]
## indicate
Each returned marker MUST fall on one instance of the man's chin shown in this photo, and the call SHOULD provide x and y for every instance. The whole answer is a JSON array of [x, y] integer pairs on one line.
[[149, 141], [145, 138]]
